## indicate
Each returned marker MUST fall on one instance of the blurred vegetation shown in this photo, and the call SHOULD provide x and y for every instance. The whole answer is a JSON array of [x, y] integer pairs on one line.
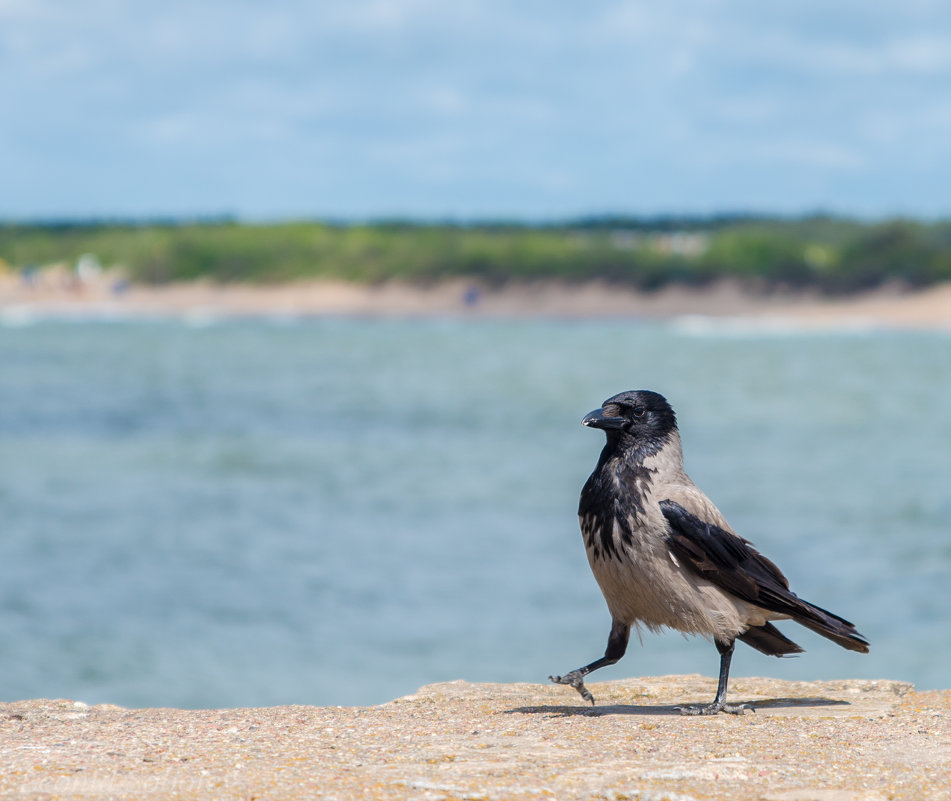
[[831, 254]]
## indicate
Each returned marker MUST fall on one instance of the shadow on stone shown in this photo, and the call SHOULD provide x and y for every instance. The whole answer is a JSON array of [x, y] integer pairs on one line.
[[780, 703], [595, 711], [665, 709]]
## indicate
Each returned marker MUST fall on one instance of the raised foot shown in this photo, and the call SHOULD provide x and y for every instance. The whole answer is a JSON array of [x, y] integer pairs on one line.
[[575, 679], [715, 708]]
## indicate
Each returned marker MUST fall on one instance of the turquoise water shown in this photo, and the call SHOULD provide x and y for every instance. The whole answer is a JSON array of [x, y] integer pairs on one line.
[[338, 511]]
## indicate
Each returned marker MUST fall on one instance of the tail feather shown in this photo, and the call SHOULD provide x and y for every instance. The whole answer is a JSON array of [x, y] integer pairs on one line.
[[767, 639], [834, 628], [830, 626]]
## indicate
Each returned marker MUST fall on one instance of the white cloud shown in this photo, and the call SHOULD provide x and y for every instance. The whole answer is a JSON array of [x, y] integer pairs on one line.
[[444, 100], [829, 155], [883, 128], [925, 55]]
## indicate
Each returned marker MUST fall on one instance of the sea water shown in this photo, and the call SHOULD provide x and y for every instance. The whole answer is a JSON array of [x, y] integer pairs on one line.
[[337, 511]]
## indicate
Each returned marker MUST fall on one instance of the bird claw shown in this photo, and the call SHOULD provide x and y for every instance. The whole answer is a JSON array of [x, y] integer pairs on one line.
[[576, 680], [715, 708]]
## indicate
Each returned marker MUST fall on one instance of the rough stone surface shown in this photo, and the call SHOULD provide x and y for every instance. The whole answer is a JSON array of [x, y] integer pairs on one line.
[[806, 741]]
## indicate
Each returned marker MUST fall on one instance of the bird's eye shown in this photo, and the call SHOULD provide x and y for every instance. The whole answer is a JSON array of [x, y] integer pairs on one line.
[[638, 412]]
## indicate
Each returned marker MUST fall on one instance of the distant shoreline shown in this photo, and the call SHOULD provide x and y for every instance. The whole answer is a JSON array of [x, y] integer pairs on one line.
[[61, 295]]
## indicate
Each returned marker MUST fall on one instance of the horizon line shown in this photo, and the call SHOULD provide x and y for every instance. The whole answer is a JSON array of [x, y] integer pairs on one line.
[[652, 220]]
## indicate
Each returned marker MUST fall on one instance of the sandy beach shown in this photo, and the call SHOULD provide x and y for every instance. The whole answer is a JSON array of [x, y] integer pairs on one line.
[[56, 292]]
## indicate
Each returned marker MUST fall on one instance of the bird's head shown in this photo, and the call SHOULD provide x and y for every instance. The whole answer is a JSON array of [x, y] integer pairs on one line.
[[639, 417]]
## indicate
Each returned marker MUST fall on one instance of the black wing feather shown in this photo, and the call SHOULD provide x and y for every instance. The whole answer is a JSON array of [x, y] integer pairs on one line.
[[733, 564]]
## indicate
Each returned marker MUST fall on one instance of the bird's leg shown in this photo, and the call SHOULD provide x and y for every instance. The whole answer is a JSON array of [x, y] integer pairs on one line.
[[617, 645], [719, 703]]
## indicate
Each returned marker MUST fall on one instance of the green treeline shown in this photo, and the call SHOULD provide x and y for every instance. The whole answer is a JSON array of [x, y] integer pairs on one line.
[[831, 254]]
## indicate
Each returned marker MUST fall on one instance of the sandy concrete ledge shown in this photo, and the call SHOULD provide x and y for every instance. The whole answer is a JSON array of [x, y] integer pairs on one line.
[[807, 741]]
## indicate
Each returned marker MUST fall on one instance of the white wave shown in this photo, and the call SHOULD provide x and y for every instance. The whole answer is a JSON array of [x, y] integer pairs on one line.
[[18, 316], [755, 327]]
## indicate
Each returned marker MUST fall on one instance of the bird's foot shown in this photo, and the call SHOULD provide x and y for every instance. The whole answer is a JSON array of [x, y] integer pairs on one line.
[[575, 679], [715, 708]]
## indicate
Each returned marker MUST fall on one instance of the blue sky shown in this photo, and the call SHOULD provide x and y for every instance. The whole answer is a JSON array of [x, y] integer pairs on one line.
[[356, 109]]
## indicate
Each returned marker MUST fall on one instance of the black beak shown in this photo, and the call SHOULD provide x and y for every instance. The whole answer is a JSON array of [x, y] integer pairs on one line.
[[596, 419]]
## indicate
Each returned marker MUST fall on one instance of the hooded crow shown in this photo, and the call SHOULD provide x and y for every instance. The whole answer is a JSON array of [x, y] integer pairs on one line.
[[664, 556]]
